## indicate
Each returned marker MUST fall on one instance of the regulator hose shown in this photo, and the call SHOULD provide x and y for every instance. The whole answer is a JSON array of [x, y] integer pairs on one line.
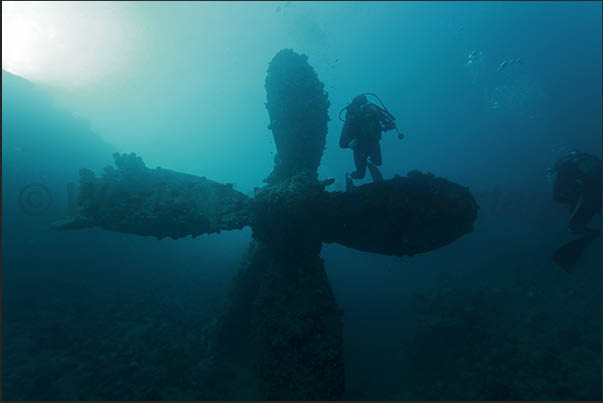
[[373, 95]]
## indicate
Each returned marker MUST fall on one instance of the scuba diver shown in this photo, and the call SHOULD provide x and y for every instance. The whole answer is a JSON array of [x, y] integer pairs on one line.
[[364, 122], [578, 184]]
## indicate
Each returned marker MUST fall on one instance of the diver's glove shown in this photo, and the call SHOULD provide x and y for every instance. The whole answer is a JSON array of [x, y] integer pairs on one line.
[[353, 144]]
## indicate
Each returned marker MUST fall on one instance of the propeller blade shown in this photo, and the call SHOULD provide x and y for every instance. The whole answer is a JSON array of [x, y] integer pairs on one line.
[[134, 199], [298, 108], [400, 216]]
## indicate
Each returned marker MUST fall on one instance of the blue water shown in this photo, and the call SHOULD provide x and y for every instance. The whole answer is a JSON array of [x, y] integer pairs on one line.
[[96, 315]]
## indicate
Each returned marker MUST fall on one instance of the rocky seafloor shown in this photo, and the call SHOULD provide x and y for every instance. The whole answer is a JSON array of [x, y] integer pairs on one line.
[[526, 335]]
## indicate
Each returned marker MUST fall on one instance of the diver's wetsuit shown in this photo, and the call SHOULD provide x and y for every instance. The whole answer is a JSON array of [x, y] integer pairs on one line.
[[365, 123], [578, 184]]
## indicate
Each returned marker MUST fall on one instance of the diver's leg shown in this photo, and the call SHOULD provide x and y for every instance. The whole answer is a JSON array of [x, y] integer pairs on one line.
[[375, 174], [582, 212], [579, 217], [567, 255], [375, 159], [375, 154], [360, 162], [349, 183]]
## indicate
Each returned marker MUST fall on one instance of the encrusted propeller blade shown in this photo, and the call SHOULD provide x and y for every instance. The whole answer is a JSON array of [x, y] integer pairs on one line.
[[400, 216], [298, 108], [159, 202]]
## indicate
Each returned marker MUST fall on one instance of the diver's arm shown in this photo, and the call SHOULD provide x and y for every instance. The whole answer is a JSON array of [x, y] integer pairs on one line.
[[387, 120], [388, 125]]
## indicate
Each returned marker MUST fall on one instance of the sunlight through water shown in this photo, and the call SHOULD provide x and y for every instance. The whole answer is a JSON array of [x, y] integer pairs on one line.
[[67, 44]]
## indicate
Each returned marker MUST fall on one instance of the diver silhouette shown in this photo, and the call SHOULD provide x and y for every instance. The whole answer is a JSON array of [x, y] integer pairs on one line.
[[363, 125], [577, 183]]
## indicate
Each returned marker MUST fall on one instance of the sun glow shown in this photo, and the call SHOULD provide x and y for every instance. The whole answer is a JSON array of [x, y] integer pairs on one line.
[[64, 43]]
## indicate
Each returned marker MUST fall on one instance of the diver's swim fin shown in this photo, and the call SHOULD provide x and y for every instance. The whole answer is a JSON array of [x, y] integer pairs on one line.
[[375, 174], [567, 255]]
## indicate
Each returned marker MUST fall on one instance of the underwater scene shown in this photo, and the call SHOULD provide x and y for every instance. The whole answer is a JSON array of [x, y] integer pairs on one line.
[[301, 201]]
